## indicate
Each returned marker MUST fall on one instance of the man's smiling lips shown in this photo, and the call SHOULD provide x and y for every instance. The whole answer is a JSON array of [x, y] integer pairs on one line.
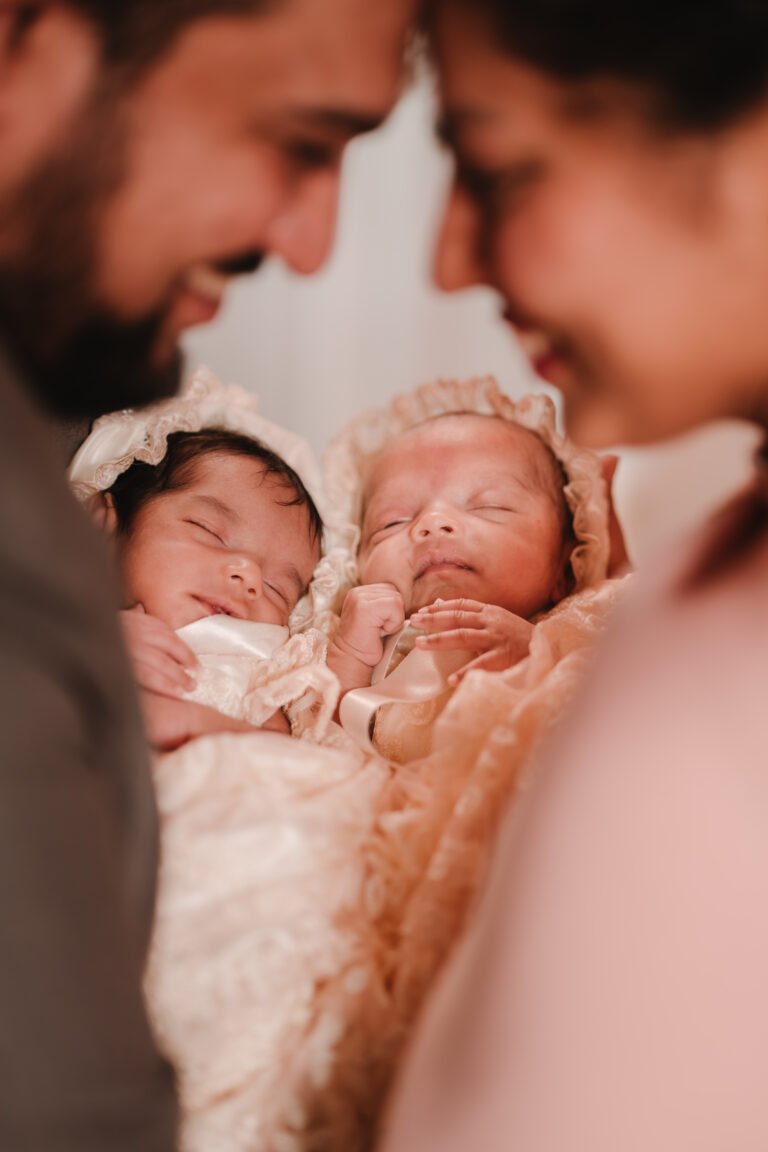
[[204, 285]]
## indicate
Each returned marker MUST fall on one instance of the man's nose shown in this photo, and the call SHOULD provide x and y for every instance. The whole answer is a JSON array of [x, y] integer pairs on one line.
[[458, 262], [245, 576], [302, 232], [434, 521]]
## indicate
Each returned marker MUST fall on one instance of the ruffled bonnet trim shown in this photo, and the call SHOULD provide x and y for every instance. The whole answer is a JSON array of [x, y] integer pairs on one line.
[[349, 457]]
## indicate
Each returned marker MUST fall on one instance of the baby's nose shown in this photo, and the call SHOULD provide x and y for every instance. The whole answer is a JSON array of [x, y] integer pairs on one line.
[[246, 575], [435, 522]]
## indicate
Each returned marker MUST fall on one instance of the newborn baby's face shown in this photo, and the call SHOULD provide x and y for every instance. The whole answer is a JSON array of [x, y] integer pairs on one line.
[[465, 506], [225, 544]]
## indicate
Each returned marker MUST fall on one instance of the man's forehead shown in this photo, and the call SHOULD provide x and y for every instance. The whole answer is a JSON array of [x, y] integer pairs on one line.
[[341, 54]]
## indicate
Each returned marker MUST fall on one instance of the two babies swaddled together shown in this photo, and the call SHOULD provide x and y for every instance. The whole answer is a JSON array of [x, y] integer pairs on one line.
[[309, 891]]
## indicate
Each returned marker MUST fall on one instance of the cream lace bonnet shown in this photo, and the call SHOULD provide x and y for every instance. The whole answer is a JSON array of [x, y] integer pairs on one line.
[[349, 457], [121, 438]]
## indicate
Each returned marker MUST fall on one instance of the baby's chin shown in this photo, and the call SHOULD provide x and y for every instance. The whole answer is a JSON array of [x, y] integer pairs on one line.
[[446, 586]]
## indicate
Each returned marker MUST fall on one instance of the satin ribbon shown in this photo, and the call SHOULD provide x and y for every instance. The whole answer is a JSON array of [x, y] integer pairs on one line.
[[221, 635], [421, 675]]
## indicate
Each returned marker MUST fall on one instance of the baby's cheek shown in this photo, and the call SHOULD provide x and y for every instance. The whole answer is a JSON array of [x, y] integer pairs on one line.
[[367, 566], [378, 566]]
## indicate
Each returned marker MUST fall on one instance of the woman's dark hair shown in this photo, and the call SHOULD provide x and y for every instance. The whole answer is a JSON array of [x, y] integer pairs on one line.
[[134, 33], [702, 62], [143, 482]]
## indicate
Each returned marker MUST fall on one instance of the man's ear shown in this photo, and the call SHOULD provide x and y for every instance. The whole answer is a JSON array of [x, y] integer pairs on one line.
[[101, 509]]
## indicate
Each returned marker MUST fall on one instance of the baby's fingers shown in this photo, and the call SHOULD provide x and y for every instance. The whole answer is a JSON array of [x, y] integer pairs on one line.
[[463, 639], [143, 632], [165, 640], [158, 672], [443, 619], [439, 607]]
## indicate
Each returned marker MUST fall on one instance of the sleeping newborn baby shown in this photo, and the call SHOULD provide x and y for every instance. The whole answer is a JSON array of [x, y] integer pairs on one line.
[[466, 533]]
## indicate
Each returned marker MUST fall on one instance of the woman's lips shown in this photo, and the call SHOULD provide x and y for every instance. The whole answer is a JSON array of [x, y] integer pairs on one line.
[[545, 354]]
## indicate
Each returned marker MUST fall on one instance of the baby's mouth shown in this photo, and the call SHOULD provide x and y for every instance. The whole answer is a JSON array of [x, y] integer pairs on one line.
[[431, 564], [216, 607]]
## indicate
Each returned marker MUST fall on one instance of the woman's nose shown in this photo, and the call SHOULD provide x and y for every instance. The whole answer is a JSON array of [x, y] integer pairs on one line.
[[245, 576], [434, 522], [458, 261]]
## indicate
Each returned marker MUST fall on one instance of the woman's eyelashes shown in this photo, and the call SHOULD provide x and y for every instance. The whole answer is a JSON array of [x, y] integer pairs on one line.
[[502, 190], [313, 154]]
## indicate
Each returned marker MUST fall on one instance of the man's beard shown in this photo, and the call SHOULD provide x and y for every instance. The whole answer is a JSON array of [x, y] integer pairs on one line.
[[103, 363], [77, 357]]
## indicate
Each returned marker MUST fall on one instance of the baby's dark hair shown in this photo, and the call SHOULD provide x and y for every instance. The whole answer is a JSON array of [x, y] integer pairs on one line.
[[143, 482]]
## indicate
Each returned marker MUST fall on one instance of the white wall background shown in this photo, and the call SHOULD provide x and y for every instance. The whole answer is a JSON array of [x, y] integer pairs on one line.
[[319, 350]]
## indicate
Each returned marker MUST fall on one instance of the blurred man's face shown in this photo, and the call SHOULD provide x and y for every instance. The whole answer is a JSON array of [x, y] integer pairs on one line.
[[124, 212]]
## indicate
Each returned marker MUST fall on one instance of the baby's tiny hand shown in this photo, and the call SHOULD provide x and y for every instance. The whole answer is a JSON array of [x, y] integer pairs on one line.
[[370, 613], [500, 638], [161, 662]]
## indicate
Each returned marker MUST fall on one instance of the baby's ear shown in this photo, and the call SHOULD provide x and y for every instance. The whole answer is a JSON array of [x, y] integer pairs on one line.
[[101, 509]]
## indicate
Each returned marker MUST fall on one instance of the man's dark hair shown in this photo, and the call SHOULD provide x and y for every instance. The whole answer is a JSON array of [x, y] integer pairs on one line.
[[702, 62], [143, 482], [134, 33]]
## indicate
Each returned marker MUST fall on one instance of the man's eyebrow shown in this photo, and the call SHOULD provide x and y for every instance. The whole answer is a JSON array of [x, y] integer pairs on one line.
[[339, 121]]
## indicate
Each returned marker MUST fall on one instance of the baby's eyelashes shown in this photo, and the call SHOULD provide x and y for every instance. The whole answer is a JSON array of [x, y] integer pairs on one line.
[[382, 530], [207, 530]]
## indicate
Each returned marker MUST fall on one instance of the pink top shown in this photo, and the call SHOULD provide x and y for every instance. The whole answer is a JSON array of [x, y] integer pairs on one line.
[[612, 992]]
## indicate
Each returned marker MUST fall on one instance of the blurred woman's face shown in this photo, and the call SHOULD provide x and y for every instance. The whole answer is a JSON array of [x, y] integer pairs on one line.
[[632, 263]]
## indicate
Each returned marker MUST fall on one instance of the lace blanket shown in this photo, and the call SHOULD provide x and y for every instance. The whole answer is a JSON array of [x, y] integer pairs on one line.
[[309, 894]]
